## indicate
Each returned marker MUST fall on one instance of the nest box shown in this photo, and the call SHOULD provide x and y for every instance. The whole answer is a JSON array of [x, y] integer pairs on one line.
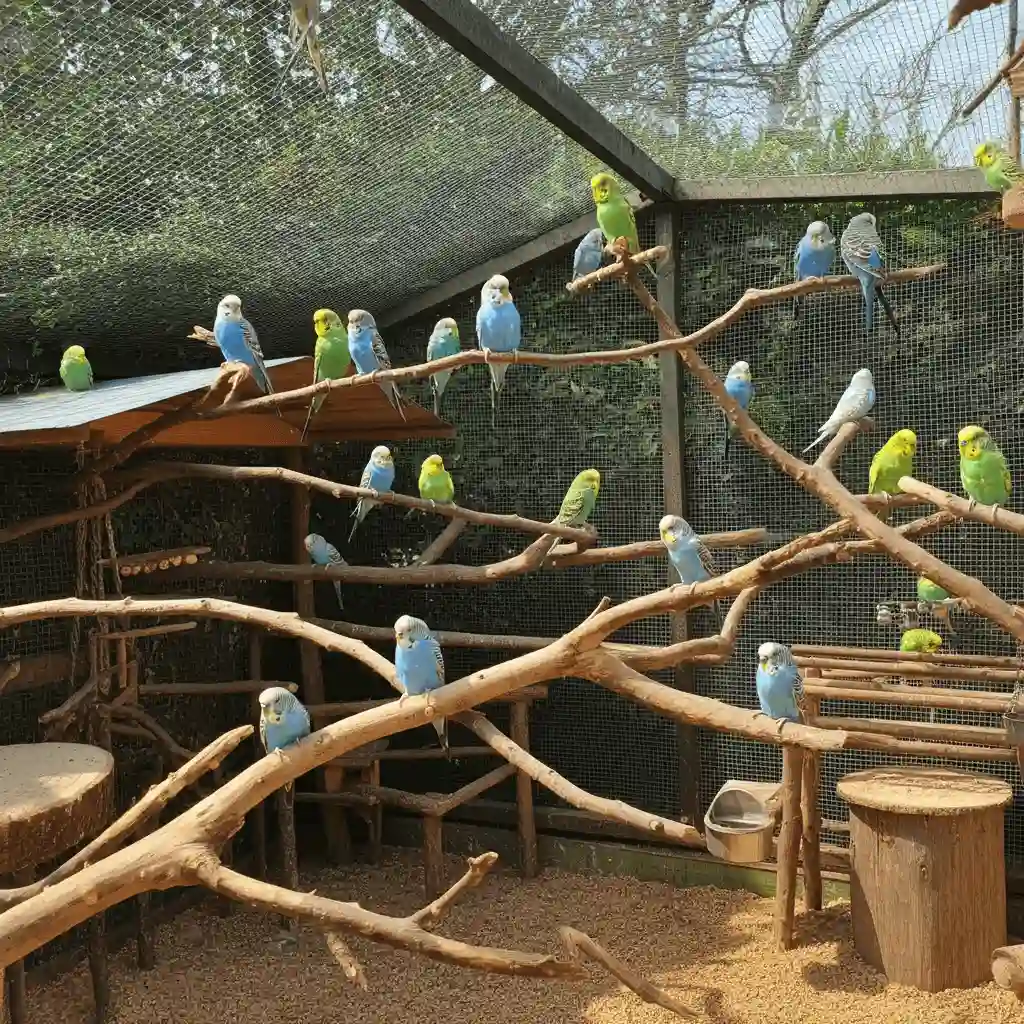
[[1013, 208]]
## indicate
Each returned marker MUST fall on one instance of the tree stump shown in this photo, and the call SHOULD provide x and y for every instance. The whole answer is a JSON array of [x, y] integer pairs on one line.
[[52, 797], [927, 876]]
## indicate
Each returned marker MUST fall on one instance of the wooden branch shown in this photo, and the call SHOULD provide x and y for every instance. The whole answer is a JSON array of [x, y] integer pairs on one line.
[[442, 542], [430, 916], [1000, 518], [563, 556], [212, 689], [174, 750], [346, 960], [841, 441], [937, 731], [63, 713], [145, 809], [615, 271], [940, 657], [9, 673], [131, 634], [924, 670], [161, 558]]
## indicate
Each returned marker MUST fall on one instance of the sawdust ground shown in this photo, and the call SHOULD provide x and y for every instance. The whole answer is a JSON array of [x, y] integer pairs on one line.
[[712, 948]]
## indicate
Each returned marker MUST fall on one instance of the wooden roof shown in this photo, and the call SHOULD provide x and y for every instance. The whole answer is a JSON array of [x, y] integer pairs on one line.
[[112, 410]]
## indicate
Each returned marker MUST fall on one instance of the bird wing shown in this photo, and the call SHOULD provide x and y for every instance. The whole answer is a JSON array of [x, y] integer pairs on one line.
[[438, 660], [334, 555], [263, 731], [366, 479], [318, 358], [252, 343], [706, 558], [88, 367], [383, 359], [862, 247], [572, 506], [798, 692]]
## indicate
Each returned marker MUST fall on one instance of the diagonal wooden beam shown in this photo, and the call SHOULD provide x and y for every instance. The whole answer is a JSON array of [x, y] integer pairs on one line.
[[468, 29]]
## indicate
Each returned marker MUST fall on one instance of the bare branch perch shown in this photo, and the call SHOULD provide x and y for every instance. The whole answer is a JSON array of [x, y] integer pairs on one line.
[[346, 959], [993, 515], [430, 916]]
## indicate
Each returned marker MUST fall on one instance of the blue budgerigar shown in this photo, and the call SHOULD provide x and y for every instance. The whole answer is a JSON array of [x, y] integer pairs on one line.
[[779, 686], [589, 254], [855, 403], [378, 475], [419, 665], [814, 255], [862, 252], [498, 329], [444, 341], [366, 347], [687, 553], [322, 552], [740, 388], [238, 341], [283, 719]]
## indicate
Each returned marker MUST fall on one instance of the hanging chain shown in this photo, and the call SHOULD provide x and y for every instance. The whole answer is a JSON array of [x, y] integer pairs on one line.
[[1018, 683]]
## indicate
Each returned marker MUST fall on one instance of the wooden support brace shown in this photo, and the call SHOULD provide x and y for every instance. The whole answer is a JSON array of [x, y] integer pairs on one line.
[[170, 627], [15, 975], [289, 854], [159, 559], [810, 812], [520, 734], [433, 856], [258, 815], [789, 847]]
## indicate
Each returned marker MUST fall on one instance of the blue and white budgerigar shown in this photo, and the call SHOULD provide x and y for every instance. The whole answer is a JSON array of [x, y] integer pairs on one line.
[[419, 665], [366, 347], [687, 553], [856, 402], [780, 688], [283, 720], [589, 254], [498, 329], [862, 252], [444, 341], [322, 552], [814, 255], [740, 388], [378, 475], [238, 342]]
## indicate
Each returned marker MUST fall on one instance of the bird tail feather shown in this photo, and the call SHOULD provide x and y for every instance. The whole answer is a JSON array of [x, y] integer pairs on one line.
[[814, 444], [869, 306], [441, 725], [728, 438], [358, 519], [889, 312], [796, 307], [314, 405], [337, 590]]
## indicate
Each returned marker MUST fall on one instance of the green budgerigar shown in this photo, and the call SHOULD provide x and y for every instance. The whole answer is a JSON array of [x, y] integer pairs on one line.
[[75, 370], [331, 358], [579, 501], [1000, 169], [983, 469], [923, 641], [435, 481], [615, 216], [893, 460], [932, 597]]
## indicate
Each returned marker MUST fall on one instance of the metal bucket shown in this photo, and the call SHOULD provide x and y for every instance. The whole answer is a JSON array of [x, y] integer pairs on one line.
[[1013, 722], [740, 822]]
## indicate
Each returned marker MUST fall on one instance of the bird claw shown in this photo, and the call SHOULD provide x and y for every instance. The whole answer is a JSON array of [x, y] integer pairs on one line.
[[430, 707], [402, 699], [375, 492]]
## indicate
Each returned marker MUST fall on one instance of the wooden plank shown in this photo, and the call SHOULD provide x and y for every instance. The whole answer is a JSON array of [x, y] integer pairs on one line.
[[674, 477], [25, 439], [339, 709], [167, 555], [246, 431], [253, 686], [474, 789], [170, 627], [470, 31], [519, 730]]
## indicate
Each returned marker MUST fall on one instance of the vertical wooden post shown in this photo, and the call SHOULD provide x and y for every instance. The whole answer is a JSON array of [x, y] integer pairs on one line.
[[289, 855], [810, 811], [433, 855], [259, 812], [520, 730], [96, 947], [1013, 113], [789, 846], [312, 667], [122, 665], [15, 974], [674, 476]]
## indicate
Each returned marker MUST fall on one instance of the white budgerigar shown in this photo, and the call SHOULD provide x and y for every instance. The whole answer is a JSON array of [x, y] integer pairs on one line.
[[856, 402]]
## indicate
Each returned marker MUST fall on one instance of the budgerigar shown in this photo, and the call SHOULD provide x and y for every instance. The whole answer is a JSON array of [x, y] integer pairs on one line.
[[814, 255], [615, 216], [934, 596], [589, 254], [499, 328], [444, 341], [378, 475], [419, 665], [304, 27], [780, 688], [366, 347], [687, 552], [75, 369], [856, 402], [983, 469], [331, 358], [283, 720], [238, 341], [862, 252], [921, 640], [579, 501], [435, 481], [323, 552], [1000, 169], [740, 388], [893, 460]]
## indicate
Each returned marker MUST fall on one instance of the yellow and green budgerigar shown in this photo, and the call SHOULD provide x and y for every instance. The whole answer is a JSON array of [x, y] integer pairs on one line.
[[331, 358], [923, 641], [893, 460], [1000, 169], [615, 216], [983, 470], [75, 369], [933, 596], [435, 481], [579, 501]]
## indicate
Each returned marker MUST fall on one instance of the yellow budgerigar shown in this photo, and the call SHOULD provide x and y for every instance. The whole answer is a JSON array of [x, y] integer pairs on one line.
[[435, 481], [893, 460]]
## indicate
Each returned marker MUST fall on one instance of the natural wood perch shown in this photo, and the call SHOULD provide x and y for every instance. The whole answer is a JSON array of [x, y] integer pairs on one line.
[[1000, 518]]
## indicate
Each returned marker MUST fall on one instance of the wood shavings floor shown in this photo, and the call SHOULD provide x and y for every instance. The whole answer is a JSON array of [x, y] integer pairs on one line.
[[712, 948]]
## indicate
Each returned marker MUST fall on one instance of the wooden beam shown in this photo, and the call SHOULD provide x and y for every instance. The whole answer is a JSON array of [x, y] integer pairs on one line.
[[470, 31], [674, 476]]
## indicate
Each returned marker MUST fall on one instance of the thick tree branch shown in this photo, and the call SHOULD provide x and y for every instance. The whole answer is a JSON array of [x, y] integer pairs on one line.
[[993, 515], [430, 916]]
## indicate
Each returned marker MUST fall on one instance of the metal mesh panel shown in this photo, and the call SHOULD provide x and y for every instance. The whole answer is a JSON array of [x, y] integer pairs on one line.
[[760, 87], [956, 364]]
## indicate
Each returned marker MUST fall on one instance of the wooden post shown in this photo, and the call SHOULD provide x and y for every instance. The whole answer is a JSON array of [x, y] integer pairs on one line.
[[674, 475], [96, 947], [289, 855], [15, 975], [1013, 114], [312, 667], [810, 812], [520, 730], [259, 812], [433, 855], [789, 846], [927, 874], [374, 814]]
